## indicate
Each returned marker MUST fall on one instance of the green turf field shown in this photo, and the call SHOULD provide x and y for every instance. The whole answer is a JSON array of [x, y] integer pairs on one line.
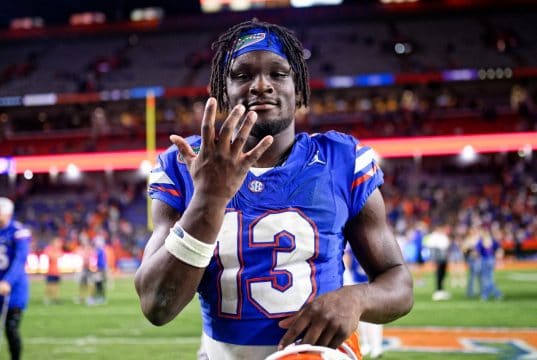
[[118, 330]]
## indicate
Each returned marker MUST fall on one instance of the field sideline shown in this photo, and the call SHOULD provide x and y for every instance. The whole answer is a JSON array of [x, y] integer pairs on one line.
[[457, 329]]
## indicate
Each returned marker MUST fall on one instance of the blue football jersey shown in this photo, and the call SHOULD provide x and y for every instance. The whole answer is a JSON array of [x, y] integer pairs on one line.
[[281, 243], [14, 247]]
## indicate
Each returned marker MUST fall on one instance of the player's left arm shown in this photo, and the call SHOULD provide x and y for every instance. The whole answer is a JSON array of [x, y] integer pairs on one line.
[[331, 318], [389, 294]]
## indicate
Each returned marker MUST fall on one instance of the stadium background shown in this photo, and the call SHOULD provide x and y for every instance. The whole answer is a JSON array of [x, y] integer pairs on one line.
[[443, 90]]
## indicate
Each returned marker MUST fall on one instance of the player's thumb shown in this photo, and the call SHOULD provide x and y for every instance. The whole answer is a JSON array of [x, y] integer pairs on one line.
[[186, 154]]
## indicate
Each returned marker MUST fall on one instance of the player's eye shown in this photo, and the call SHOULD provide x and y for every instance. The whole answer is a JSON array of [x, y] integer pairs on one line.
[[241, 76], [280, 74]]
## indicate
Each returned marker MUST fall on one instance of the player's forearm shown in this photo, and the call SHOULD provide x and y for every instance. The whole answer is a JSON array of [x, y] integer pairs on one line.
[[166, 284], [388, 297]]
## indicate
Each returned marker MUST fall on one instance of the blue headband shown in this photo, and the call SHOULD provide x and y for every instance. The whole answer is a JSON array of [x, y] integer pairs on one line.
[[258, 39]]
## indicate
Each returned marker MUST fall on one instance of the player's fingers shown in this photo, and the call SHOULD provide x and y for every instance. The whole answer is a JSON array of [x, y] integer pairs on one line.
[[228, 127], [313, 333], [338, 338], [207, 124], [287, 322], [244, 131], [186, 154], [254, 154], [326, 337], [293, 332]]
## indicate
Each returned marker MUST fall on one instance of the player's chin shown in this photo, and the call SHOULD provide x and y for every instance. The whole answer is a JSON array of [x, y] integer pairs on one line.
[[269, 126]]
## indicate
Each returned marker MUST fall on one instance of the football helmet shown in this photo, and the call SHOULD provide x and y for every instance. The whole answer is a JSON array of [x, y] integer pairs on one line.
[[311, 352]]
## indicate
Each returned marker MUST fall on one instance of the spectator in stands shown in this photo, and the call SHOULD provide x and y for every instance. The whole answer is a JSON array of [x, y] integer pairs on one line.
[[13, 279], [54, 251]]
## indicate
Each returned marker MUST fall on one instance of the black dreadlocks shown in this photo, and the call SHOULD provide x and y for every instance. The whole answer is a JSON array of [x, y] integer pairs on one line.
[[226, 44]]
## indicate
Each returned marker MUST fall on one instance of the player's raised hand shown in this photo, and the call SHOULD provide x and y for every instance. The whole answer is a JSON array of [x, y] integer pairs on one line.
[[326, 321], [221, 165]]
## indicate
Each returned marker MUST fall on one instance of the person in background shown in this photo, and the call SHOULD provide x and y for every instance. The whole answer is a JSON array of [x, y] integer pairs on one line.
[[473, 261], [457, 274], [489, 249], [416, 235], [54, 251], [86, 252], [99, 276], [370, 334], [14, 246], [438, 244]]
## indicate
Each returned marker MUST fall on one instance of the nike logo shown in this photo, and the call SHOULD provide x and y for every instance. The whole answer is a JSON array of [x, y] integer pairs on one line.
[[316, 160]]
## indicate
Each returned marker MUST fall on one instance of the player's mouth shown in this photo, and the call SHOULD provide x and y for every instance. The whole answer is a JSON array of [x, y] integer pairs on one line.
[[262, 105]]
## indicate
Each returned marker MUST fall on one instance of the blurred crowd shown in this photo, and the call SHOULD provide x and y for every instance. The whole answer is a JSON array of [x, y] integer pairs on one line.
[[384, 112], [84, 214], [461, 222]]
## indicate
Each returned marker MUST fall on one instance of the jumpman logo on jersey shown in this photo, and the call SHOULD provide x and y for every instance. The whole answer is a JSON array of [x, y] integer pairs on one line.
[[316, 160]]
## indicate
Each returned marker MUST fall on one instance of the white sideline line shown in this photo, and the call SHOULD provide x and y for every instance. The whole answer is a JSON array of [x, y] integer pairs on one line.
[[87, 312], [523, 277], [92, 340], [462, 328]]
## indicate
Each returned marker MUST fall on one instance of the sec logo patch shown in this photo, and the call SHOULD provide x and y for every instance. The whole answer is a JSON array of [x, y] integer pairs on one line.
[[256, 186]]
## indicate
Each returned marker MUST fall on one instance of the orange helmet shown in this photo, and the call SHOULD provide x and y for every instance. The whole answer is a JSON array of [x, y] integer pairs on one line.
[[311, 352]]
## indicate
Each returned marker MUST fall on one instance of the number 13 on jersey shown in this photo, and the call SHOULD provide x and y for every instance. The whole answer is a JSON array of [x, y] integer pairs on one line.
[[291, 239]]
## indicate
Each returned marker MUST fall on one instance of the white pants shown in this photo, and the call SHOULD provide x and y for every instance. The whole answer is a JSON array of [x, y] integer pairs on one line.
[[217, 350], [370, 338]]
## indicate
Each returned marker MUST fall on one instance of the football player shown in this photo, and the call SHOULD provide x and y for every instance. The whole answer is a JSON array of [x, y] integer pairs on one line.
[[255, 217], [14, 246]]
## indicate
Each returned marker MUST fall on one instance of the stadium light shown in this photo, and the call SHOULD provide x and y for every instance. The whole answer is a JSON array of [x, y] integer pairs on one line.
[[468, 155], [26, 23], [28, 174], [525, 151], [308, 3], [87, 18], [145, 168], [72, 172], [147, 14]]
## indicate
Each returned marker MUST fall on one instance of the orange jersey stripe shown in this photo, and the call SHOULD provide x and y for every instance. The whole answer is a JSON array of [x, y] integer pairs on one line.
[[169, 191], [365, 177]]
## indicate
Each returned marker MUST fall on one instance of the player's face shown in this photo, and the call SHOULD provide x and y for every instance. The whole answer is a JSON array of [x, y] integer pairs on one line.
[[4, 219], [263, 82]]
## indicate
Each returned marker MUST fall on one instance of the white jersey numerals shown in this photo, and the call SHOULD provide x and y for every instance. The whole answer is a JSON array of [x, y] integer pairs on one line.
[[4, 258], [292, 258]]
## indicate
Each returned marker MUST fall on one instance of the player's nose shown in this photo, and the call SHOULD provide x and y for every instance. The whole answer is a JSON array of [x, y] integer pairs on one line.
[[261, 85]]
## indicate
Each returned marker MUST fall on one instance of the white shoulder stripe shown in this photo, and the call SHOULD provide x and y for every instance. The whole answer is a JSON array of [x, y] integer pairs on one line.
[[160, 177], [22, 233], [363, 160]]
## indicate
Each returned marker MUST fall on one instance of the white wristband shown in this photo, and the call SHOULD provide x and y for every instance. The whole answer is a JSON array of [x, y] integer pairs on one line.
[[187, 248]]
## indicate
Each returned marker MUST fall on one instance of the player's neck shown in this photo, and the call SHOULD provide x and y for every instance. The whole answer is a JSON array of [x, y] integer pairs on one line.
[[280, 149]]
